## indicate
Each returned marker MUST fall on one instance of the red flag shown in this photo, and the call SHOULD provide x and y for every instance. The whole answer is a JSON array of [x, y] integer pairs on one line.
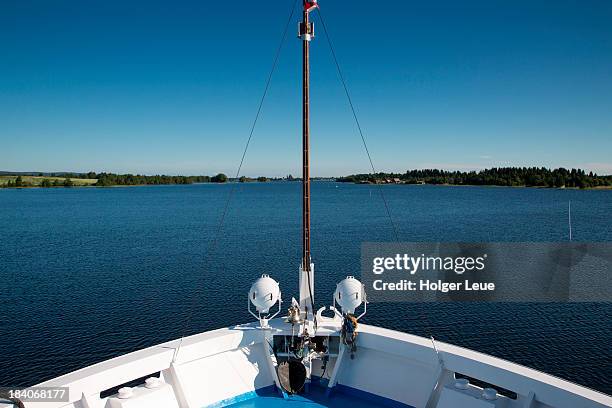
[[310, 4]]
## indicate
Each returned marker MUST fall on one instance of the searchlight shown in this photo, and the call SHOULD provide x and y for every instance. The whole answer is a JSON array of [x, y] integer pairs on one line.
[[264, 293], [350, 294]]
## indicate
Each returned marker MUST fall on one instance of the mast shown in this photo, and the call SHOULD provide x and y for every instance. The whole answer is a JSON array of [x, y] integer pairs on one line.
[[306, 33], [305, 142]]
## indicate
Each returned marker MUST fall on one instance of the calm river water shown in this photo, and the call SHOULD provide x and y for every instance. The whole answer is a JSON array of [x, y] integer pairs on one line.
[[91, 273]]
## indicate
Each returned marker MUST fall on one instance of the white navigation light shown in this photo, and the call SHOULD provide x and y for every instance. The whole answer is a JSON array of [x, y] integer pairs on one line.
[[264, 294], [350, 294]]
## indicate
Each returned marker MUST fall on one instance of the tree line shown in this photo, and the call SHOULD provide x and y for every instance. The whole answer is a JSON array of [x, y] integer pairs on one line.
[[502, 176], [497, 176], [112, 179], [20, 182]]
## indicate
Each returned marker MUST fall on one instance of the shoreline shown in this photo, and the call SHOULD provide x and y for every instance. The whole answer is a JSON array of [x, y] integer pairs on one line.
[[602, 188], [483, 185]]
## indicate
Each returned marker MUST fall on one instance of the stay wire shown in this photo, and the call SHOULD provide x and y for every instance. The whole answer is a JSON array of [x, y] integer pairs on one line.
[[219, 229], [350, 101], [365, 145]]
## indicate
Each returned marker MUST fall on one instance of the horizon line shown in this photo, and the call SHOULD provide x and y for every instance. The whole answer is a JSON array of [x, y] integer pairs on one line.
[[464, 170]]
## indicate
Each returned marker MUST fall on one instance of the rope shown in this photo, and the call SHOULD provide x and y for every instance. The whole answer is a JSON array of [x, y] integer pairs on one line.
[[233, 186], [350, 101]]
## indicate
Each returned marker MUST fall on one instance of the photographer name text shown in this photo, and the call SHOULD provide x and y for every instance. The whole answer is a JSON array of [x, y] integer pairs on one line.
[[429, 285]]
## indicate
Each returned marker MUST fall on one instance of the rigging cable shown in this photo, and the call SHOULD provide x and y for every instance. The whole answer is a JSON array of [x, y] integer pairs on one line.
[[350, 101], [219, 229], [365, 145]]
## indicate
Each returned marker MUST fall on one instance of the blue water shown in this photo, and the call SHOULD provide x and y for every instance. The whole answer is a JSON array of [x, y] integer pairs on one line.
[[91, 273]]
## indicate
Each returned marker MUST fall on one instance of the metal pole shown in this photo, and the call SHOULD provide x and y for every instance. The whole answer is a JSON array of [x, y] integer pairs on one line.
[[306, 148], [569, 218]]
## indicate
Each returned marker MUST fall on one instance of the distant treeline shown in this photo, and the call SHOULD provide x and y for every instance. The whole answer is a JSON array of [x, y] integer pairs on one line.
[[100, 179], [111, 179], [38, 179], [20, 182], [503, 176]]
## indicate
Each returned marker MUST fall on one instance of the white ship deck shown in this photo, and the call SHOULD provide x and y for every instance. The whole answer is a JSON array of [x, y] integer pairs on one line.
[[234, 367]]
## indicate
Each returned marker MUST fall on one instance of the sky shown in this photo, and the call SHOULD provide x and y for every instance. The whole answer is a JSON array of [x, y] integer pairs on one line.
[[172, 87]]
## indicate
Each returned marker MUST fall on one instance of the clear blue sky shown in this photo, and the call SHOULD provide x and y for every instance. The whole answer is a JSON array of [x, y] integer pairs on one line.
[[172, 87]]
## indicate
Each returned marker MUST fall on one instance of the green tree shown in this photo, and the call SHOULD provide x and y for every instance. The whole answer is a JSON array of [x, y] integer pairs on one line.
[[18, 182], [46, 183], [262, 179], [219, 178], [68, 182]]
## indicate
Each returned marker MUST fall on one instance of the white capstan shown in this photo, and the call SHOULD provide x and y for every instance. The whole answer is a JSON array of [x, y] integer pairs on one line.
[[349, 294], [264, 293]]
